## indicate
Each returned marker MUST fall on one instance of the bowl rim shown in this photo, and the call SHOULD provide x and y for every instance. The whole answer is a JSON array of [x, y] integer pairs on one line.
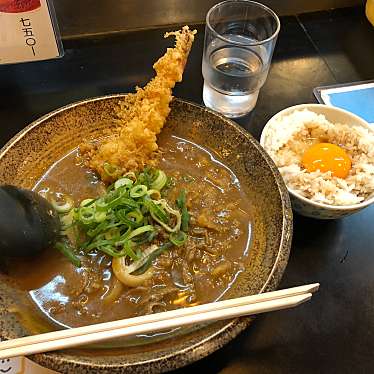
[[358, 120], [233, 327]]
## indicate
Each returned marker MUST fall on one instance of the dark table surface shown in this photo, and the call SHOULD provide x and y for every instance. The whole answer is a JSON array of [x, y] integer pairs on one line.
[[334, 333]]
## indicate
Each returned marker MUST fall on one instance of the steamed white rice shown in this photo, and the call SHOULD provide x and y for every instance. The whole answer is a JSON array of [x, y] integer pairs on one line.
[[288, 138]]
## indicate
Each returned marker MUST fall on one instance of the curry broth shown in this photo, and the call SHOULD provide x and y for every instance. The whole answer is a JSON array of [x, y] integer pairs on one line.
[[198, 272]]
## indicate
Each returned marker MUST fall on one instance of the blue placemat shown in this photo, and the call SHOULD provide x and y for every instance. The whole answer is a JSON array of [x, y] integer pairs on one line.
[[356, 97]]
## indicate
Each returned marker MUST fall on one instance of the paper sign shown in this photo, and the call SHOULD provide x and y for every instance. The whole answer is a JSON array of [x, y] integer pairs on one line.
[[356, 98], [22, 366], [27, 31]]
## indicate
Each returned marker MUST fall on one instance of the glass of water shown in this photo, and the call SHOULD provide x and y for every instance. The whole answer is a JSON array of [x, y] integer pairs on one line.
[[240, 36]]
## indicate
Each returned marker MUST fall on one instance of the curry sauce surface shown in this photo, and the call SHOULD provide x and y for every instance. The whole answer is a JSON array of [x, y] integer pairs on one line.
[[198, 272]]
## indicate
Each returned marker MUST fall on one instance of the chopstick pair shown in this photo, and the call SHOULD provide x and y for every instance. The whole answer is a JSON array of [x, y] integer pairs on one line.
[[248, 305]]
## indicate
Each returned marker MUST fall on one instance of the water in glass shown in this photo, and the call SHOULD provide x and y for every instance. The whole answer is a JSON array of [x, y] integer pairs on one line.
[[233, 75]]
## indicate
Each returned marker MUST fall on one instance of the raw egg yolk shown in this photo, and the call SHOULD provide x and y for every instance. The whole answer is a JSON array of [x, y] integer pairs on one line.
[[327, 157]]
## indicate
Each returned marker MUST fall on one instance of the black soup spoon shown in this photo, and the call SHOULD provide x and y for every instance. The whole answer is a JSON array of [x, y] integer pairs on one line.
[[28, 222]]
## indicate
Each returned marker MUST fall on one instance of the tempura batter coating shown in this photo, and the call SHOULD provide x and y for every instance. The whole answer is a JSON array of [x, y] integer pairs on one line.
[[141, 116]]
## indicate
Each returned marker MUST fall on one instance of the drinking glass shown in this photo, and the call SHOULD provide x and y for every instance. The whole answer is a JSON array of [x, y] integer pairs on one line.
[[240, 36]]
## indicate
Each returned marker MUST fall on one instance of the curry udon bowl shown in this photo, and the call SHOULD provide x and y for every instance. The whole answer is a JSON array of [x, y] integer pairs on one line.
[[25, 159]]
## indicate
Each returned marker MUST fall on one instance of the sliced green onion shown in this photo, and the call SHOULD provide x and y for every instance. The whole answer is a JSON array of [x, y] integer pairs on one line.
[[146, 237], [154, 194], [112, 200], [108, 247], [139, 252], [110, 169], [160, 181], [123, 219], [140, 230], [185, 219], [123, 271], [178, 238], [123, 182], [100, 216], [102, 226], [151, 257], [67, 251], [86, 215], [96, 244], [136, 215], [101, 204], [171, 211], [157, 213], [138, 191], [86, 202], [112, 234], [146, 177], [181, 203], [129, 203], [109, 250], [64, 205], [124, 236], [181, 200], [127, 247], [122, 216]]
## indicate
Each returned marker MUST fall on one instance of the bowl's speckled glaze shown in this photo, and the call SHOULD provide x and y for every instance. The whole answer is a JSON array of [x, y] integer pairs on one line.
[[25, 158]]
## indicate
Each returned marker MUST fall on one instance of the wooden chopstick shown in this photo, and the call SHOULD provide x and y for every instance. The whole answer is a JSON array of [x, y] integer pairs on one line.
[[247, 305], [294, 291]]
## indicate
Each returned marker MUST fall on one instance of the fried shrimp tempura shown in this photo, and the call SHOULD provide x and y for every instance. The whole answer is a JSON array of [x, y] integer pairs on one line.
[[141, 116]]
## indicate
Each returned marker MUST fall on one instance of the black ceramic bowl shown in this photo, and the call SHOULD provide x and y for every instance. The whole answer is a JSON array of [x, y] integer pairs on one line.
[[26, 157]]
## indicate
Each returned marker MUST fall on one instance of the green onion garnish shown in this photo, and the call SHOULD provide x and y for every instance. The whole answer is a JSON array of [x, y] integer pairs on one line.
[[100, 216], [141, 230], [160, 181], [138, 191], [178, 238], [127, 219], [68, 251], [86, 202], [181, 204], [157, 213], [135, 216], [152, 257], [123, 182], [86, 215]]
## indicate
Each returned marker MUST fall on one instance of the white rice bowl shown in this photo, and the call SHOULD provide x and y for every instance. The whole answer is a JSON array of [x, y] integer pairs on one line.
[[289, 136]]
